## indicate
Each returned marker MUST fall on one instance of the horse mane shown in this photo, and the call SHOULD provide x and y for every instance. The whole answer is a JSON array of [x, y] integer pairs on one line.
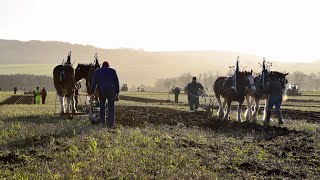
[[246, 73]]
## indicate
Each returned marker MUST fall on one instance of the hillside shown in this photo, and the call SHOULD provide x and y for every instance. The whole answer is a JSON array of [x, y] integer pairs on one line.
[[133, 66]]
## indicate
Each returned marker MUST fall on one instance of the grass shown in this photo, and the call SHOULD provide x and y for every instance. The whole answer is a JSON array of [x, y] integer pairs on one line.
[[37, 69], [35, 143]]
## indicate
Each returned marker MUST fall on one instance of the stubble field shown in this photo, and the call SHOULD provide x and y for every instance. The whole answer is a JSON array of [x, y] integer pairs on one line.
[[157, 139]]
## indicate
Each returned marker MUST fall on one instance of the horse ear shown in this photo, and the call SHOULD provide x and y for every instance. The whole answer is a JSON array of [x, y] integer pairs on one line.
[[251, 71], [285, 74]]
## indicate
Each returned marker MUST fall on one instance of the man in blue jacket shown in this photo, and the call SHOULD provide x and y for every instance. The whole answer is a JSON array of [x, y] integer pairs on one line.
[[106, 81], [192, 90], [274, 89]]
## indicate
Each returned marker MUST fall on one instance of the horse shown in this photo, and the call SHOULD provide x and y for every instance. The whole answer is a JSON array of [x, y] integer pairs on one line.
[[260, 82], [244, 83], [86, 71], [64, 82]]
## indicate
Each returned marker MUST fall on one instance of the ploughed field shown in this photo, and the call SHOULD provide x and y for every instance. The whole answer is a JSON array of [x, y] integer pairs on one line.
[[156, 138]]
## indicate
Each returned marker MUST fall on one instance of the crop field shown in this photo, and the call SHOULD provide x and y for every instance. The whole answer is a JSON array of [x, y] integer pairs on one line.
[[156, 138]]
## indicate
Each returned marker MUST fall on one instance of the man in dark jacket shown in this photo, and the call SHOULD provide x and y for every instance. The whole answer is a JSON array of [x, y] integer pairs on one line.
[[176, 92], [106, 80], [192, 90], [274, 89]]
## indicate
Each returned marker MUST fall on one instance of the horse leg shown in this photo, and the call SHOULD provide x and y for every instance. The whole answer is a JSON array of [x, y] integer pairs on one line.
[[265, 109], [256, 110], [73, 107], [68, 105], [226, 115], [248, 112], [61, 99], [221, 107], [240, 110]]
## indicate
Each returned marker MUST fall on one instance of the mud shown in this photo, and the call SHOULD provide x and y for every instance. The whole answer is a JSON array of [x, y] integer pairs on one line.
[[302, 100], [18, 99], [11, 158], [142, 116], [288, 114], [309, 116], [140, 99]]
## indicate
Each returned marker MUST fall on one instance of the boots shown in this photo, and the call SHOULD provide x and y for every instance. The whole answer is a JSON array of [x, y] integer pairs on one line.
[[280, 122], [267, 120]]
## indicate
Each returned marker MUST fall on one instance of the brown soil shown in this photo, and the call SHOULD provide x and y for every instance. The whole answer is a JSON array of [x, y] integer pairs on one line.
[[18, 99]]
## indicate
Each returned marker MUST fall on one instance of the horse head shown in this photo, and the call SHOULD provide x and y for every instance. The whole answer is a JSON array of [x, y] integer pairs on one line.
[[82, 71], [250, 85]]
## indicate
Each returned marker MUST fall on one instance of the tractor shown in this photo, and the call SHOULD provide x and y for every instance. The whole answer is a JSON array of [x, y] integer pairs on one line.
[[293, 90], [124, 87]]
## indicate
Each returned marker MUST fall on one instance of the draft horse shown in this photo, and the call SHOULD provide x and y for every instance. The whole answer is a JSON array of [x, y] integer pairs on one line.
[[223, 86], [261, 94], [64, 82], [86, 71]]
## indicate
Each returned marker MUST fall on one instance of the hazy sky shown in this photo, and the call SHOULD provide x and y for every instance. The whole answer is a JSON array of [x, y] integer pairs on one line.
[[286, 30]]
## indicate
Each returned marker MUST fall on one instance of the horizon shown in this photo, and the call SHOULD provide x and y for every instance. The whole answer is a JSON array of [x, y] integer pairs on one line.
[[141, 49], [270, 29]]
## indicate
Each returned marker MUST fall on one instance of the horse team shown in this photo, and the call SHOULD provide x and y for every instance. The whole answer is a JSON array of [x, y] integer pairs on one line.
[[242, 85], [66, 81]]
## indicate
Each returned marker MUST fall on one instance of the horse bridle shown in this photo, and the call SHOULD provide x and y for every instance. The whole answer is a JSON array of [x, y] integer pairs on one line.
[[249, 84]]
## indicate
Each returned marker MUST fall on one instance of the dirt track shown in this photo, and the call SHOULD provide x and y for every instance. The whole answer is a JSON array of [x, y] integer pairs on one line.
[[18, 99], [288, 114]]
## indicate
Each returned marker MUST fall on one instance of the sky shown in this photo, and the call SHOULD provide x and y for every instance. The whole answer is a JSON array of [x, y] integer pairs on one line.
[[280, 30]]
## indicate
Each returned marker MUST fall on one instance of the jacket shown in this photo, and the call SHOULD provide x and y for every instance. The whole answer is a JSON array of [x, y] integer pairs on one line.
[[106, 79], [274, 88], [193, 88]]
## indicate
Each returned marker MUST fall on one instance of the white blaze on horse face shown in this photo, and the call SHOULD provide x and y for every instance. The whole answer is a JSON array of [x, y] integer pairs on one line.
[[251, 81]]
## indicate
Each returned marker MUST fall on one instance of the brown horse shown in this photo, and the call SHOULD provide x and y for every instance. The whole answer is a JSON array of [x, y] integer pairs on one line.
[[64, 82], [244, 83], [86, 71]]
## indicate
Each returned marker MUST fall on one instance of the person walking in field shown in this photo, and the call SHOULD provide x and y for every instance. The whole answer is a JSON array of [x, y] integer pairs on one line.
[[106, 81], [192, 90], [176, 92], [37, 95], [274, 89], [43, 93]]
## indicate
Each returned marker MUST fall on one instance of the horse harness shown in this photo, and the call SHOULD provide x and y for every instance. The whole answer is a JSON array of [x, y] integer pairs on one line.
[[233, 78]]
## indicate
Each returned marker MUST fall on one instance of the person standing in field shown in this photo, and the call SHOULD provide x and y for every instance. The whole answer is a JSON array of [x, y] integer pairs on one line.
[[192, 90], [106, 81], [43, 93], [176, 92], [15, 90], [37, 95], [274, 89]]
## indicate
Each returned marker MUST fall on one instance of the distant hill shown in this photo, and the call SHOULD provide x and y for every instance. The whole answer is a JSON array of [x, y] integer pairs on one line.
[[135, 66]]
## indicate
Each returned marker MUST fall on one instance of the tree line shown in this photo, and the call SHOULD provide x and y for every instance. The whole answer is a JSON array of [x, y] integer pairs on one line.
[[25, 82], [166, 84], [307, 82]]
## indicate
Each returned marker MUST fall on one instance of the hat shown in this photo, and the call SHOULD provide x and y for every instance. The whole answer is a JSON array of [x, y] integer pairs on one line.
[[105, 64]]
